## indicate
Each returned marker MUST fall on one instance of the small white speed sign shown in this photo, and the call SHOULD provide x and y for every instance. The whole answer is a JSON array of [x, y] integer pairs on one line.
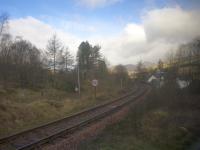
[[94, 82]]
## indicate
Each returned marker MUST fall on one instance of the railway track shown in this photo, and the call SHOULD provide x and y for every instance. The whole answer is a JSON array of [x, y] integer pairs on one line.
[[38, 136]]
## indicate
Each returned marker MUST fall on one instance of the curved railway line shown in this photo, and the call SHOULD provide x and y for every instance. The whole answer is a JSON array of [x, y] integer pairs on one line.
[[38, 136]]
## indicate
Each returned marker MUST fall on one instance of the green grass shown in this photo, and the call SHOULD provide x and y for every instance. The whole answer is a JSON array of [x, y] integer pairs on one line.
[[166, 120]]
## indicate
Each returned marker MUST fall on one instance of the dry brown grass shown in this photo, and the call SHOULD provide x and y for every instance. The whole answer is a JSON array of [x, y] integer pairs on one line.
[[22, 109]]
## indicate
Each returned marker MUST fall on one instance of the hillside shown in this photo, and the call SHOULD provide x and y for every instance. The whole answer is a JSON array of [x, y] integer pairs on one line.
[[133, 67]]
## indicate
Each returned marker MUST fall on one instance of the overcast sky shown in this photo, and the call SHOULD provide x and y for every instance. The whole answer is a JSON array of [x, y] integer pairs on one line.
[[127, 30]]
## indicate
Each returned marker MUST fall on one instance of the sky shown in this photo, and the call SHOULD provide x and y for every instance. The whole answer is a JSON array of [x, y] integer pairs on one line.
[[127, 30]]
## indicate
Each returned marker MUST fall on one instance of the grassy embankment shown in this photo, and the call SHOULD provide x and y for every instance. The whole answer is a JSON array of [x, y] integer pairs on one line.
[[167, 120], [21, 109]]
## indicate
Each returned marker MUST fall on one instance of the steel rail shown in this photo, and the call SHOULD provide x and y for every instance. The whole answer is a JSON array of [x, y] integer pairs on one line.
[[10, 137], [73, 128]]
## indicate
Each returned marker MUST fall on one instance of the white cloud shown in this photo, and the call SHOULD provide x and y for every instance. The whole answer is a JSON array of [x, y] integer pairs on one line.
[[172, 24], [39, 32], [160, 30], [97, 3]]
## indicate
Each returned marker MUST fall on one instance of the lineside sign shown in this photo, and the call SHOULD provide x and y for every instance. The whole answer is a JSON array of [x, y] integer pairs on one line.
[[95, 82]]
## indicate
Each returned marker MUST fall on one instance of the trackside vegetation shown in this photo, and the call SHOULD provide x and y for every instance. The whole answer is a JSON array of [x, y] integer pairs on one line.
[[40, 85], [169, 117], [166, 120]]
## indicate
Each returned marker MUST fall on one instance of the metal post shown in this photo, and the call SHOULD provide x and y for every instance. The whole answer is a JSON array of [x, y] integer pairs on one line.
[[79, 84], [94, 84], [95, 91], [121, 83]]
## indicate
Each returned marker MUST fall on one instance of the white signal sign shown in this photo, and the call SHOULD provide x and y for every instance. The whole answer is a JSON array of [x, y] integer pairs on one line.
[[94, 82]]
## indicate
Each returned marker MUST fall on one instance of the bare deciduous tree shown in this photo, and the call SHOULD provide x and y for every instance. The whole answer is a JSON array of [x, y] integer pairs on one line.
[[54, 46], [3, 23], [160, 65], [67, 61]]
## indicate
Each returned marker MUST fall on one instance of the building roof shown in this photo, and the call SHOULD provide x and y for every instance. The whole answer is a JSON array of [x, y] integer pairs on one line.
[[152, 78]]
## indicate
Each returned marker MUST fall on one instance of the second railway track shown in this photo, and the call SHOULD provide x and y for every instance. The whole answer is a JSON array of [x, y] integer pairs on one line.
[[40, 135]]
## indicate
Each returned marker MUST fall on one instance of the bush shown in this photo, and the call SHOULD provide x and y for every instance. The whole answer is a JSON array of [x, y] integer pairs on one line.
[[194, 87]]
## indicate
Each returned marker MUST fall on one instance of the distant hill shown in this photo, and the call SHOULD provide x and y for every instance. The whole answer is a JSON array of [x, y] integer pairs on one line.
[[133, 67], [149, 64]]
